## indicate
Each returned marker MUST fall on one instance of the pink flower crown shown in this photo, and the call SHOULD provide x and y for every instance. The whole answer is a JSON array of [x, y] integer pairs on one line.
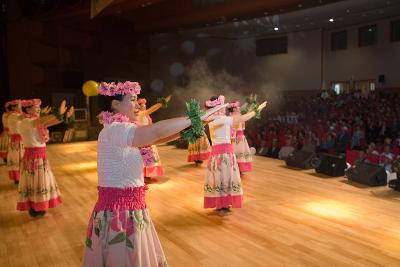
[[31, 102], [106, 117], [13, 103], [234, 104], [111, 89], [213, 103], [142, 101]]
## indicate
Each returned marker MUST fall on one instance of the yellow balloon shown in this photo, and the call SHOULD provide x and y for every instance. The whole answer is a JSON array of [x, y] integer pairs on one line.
[[90, 88]]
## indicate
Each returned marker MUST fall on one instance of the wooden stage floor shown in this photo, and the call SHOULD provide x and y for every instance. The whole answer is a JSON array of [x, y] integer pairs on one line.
[[290, 217]]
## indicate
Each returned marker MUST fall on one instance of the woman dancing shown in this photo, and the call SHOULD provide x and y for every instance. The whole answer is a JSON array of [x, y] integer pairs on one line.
[[222, 187], [120, 231]]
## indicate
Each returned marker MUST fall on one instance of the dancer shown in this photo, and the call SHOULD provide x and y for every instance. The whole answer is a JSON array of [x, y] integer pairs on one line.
[[120, 231], [240, 145], [4, 136], [222, 188], [155, 169], [15, 147], [38, 190]]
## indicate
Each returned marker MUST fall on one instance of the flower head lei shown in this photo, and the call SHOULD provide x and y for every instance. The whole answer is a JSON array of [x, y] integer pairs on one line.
[[112, 89], [12, 103], [31, 102], [216, 102]]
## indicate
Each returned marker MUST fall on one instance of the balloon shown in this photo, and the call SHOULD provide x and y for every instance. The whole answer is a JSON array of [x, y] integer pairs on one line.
[[90, 88]]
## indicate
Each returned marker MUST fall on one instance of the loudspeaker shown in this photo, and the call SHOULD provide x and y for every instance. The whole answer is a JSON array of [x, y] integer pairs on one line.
[[302, 160], [331, 165], [381, 78], [367, 174]]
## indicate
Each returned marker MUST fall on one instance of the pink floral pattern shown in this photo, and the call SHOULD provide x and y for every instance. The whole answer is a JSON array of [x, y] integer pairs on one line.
[[106, 117], [147, 156], [213, 103], [111, 89]]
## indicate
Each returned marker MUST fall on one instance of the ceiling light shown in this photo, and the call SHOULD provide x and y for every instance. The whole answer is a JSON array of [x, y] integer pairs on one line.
[[276, 29], [331, 20]]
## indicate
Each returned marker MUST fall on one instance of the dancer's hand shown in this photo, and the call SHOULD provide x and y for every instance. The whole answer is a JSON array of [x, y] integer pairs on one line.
[[262, 105], [46, 110], [63, 107], [70, 112], [211, 111]]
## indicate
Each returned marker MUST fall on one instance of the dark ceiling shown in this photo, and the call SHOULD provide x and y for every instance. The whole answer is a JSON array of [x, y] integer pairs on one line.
[[166, 15]]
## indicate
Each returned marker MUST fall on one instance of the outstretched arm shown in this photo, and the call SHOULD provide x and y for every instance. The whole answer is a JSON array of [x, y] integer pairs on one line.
[[249, 115], [147, 135], [154, 107]]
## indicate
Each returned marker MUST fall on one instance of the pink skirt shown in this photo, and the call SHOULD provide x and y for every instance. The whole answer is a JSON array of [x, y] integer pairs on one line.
[[199, 150], [37, 187], [120, 231], [242, 152], [223, 186], [14, 155], [154, 170]]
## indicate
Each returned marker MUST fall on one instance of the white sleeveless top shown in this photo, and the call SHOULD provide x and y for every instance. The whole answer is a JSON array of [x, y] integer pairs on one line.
[[30, 134], [4, 119], [13, 122], [220, 130], [118, 163]]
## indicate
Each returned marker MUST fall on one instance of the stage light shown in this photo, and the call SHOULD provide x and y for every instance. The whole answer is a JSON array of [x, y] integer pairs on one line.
[[276, 29], [330, 209], [331, 20]]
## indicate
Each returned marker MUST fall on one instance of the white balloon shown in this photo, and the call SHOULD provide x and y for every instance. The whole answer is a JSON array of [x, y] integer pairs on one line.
[[157, 85], [176, 69], [252, 150], [188, 47]]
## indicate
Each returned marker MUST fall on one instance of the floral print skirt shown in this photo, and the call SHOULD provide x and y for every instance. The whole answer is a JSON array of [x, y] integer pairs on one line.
[[222, 187], [242, 152], [155, 169], [37, 188], [120, 231]]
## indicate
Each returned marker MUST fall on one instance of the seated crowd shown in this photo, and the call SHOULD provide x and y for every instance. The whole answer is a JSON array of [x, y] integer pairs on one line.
[[358, 126]]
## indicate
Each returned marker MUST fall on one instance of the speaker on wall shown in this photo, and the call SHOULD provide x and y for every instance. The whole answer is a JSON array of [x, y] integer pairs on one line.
[[302, 160], [367, 174], [331, 165]]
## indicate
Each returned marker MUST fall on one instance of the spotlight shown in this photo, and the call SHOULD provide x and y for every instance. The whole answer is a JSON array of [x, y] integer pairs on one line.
[[276, 29], [331, 20]]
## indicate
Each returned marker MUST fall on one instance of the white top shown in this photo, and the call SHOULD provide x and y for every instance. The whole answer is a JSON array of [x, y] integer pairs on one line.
[[30, 134], [220, 130], [119, 164], [4, 119], [13, 122]]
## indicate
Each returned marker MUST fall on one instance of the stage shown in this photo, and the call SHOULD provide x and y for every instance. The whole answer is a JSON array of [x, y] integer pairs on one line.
[[290, 217]]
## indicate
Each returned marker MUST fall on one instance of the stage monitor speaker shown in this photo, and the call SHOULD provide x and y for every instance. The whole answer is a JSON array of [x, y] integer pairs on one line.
[[302, 160], [381, 78], [331, 165], [367, 174]]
